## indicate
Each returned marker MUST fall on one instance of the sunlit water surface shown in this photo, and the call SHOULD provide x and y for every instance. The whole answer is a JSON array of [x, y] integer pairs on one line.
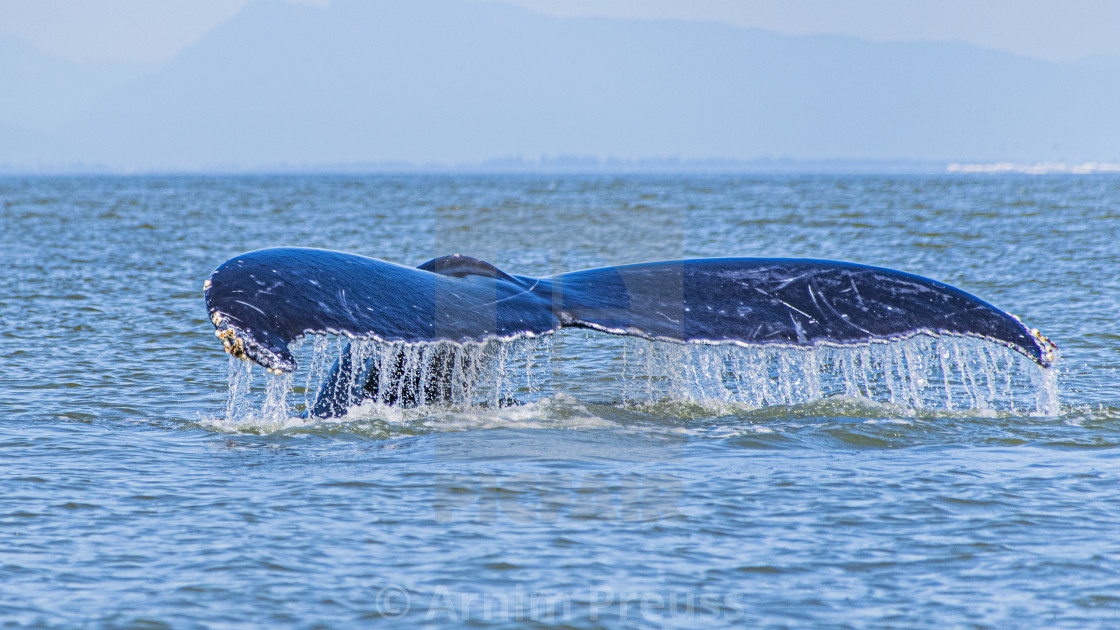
[[588, 481]]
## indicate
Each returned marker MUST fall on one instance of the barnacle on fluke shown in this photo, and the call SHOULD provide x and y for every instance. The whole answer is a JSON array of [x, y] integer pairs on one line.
[[261, 301]]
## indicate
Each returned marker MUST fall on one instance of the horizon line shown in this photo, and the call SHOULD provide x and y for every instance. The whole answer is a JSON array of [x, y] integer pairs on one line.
[[591, 165]]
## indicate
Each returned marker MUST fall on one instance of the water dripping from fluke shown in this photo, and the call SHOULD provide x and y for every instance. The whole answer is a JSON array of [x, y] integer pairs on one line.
[[405, 383], [922, 372]]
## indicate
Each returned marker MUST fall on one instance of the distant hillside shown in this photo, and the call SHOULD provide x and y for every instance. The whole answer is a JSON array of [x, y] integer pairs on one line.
[[39, 92], [453, 81]]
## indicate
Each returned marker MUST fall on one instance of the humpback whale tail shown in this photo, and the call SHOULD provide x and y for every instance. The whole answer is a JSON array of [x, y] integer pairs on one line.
[[261, 301]]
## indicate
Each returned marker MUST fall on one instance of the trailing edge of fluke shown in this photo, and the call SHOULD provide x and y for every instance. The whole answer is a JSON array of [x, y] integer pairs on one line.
[[261, 301]]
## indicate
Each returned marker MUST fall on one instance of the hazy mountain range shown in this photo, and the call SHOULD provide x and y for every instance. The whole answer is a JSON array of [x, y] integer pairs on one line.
[[449, 81]]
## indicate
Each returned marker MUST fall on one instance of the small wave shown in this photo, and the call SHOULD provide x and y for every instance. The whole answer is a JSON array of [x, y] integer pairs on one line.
[[661, 429], [375, 419], [870, 411]]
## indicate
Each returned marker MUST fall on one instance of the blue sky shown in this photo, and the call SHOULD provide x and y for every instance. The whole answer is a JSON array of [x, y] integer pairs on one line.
[[260, 84], [147, 31]]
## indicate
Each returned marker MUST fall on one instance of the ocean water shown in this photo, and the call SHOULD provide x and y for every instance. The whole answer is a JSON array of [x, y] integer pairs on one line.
[[149, 481]]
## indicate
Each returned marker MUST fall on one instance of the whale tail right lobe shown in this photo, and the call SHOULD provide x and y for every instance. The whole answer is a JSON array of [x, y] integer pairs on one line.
[[796, 302]]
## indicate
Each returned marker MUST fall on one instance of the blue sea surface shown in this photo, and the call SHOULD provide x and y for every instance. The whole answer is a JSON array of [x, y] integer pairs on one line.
[[148, 483]]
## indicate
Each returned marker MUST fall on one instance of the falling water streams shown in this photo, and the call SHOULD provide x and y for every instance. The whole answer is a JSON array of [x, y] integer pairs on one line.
[[946, 373]]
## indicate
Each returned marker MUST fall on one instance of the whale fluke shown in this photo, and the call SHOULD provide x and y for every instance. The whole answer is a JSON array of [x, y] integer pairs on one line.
[[261, 301]]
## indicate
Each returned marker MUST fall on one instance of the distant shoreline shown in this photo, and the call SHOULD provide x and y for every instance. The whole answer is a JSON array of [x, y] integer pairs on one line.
[[592, 166]]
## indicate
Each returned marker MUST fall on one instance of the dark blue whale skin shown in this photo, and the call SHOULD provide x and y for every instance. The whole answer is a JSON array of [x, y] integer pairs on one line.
[[261, 301]]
